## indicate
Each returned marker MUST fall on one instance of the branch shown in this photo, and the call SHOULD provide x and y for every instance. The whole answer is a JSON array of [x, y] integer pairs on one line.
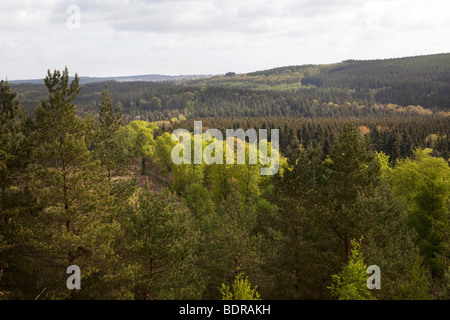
[[40, 294]]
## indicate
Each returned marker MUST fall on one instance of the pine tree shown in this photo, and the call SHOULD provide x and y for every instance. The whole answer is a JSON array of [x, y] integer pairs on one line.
[[351, 283], [13, 143], [9, 142], [229, 246], [159, 241], [349, 173], [17, 201], [296, 198], [326, 204], [106, 146], [359, 203], [75, 225]]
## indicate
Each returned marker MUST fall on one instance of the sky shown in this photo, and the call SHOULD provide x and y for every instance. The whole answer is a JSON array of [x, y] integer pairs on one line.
[[135, 37]]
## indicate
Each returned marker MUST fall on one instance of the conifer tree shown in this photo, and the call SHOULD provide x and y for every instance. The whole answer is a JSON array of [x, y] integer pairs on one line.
[[351, 283], [107, 148], [331, 202], [351, 172], [75, 225], [13, 143], [17, 201], [296, 198], [159, 241], [229, 246]]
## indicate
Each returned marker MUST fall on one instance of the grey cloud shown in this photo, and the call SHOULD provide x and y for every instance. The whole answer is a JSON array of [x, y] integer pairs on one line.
[[216, 35], [197, 16]]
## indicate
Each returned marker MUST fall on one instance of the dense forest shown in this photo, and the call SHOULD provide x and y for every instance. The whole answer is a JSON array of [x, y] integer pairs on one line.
[[422, 80], [376, 88], [86, 179]]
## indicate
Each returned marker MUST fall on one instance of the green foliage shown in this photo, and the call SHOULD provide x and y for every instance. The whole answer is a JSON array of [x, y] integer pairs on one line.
[[186, 174], [248, 175], [287, 228], [418, 287], [137, 139], [445, 286], [74, 225], [358, 203], [396, 136], [229, 246], [142, 140], [241, 290], [384, 88], [220, 178], [351, 175], [13, 143], [351, 168], [351, 283], [384, 164], [163, 150], [323, 204], [421, 80], [198, 199], [106, 145], [15, 195], [424, 184], [64, 199], [160, 237]]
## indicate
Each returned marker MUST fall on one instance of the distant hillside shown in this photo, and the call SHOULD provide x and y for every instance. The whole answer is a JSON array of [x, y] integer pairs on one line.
[[376, 88], [421, 80], [145, 77]]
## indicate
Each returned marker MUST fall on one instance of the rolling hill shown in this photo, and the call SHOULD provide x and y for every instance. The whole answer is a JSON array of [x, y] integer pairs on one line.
[[420, 80], [145, 77], [349, 88]]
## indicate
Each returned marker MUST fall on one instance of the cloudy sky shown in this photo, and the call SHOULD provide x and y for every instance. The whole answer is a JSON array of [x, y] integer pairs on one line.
[[132, 37]]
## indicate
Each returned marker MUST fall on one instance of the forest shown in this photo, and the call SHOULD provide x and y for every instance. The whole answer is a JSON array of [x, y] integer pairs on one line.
[[86, 179]]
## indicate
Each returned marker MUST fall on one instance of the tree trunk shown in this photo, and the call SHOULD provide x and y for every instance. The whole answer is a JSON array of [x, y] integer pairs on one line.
[[143, 165]]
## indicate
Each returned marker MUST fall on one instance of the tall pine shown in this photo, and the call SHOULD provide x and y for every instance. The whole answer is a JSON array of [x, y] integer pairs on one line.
[[108, 150], [74, 226]]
